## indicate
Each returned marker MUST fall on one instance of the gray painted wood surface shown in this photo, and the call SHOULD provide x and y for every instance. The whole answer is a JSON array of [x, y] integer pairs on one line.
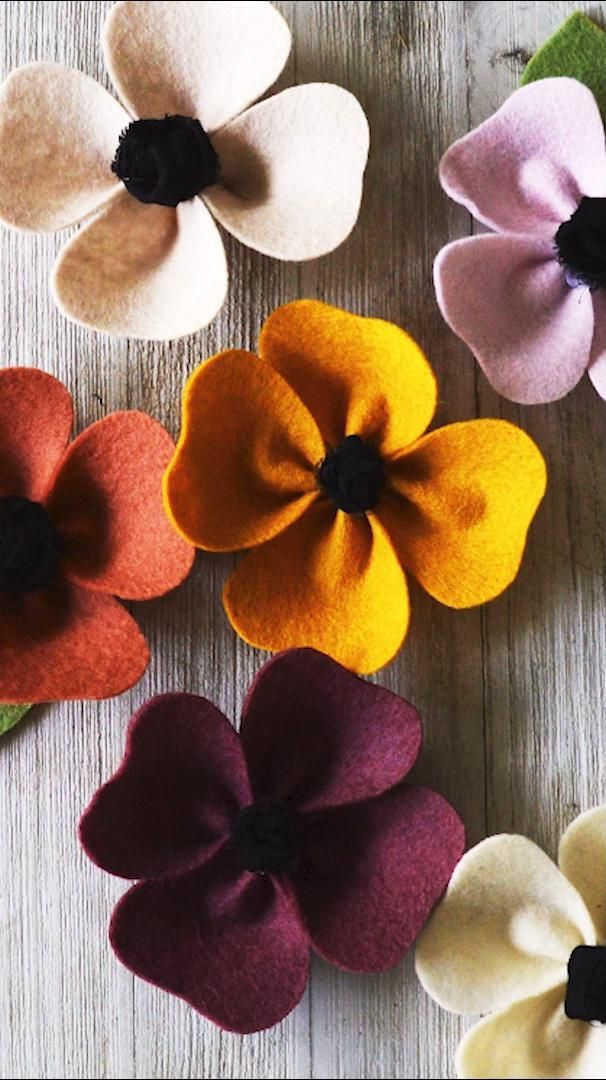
[[512, 695]]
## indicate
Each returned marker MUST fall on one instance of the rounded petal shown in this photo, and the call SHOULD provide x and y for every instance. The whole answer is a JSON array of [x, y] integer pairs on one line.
[[357, 376], [66, 644], [526, 169], [462, 502], [36, 417], [207, 60], [143, 270], [59, 130], [534, 1039], [291, 172], [330, 581], [107, 503], [314, 733], [597, 360], [169, 806], [245, 463], [507, 298], [582, 859], [372, 872], [226, 941], [505, 929]]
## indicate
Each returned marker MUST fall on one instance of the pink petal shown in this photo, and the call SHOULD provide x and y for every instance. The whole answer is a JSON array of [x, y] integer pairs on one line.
[[315, 733], [597, 362], [526, 168], [227, 942], [372, 873], [171, 802], [507, 298]]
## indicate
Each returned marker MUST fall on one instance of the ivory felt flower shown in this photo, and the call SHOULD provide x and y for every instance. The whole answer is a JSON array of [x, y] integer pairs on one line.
[[78, 525], [313, 455], [525, 941], [252, 849], [529, 298], [284, 177]]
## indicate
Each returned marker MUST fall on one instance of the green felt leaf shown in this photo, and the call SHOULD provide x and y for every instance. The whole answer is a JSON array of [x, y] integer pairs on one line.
[[11, 715], [578, 50]]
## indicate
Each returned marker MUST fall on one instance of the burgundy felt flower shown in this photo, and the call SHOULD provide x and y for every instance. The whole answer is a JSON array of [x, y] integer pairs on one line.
[[252, 848]]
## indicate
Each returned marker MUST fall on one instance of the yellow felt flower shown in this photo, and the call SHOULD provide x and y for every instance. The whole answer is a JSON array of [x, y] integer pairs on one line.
[[313, 455]]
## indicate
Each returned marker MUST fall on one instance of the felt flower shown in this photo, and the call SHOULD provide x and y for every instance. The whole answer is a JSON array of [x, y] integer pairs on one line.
[[284, 177], [79, 525], [249, 850], [313, 455], [520, 939], [529, 298]]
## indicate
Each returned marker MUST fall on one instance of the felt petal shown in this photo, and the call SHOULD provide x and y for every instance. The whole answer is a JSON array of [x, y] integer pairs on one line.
[[67, 643], [331, 581], [245, 464], [507, 298], [533, 1039], [357, 376], [291, 172], [466, 495], [582, 859], [169, 806], [505, 929], [208, 60], [371, 874], [597, 360], [59, 130], [225, 940], [107, 503], [526, 168], [316, 734], [36, 416], [143, 270]]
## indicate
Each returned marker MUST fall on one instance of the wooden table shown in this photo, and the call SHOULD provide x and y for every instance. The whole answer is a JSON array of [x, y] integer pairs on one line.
[[512, 695]]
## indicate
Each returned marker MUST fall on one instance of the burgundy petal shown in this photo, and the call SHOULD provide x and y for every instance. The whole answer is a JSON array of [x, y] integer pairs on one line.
[[317, 734], [228, 942], [171, 802], [371, 874]]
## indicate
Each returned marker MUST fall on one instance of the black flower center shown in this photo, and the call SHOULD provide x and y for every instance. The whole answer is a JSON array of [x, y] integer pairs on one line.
[[267, 837], [581, 244], [30, 546], [586, 991], [165, 161], [352, 475]]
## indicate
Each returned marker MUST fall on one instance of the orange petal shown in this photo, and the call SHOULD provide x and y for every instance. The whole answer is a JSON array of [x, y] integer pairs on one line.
[[107, 504], [67, 643], [244, 467], [461, 505], [36, 417], [331, 581], [357, 376]]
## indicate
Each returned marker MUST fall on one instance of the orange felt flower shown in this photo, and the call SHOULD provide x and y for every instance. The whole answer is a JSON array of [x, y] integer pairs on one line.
[[78, 525], [313, 455]]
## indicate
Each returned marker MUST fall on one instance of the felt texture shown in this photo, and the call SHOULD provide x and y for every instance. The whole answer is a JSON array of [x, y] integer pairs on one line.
[[258, 436], [11, 715], [577, 49], [373, 857], [524, 172], [597, 359], [103, 495], [508, 902], [292, 170]]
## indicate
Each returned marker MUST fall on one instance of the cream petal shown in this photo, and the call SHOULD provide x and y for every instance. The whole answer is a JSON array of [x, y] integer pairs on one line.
[[582, 859], [143, 270]]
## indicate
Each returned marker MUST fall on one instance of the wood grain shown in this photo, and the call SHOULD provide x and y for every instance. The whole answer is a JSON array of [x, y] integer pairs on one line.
[[512, 695]]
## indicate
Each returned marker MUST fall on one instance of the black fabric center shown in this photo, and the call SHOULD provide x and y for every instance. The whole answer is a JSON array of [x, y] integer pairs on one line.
[[30, 546], [267, 836], [581, 244], [165, 161], [586, 991], [352, 475]]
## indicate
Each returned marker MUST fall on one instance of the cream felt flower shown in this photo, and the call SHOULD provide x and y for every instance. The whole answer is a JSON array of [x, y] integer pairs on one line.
[[283, 176], [520, 939]]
